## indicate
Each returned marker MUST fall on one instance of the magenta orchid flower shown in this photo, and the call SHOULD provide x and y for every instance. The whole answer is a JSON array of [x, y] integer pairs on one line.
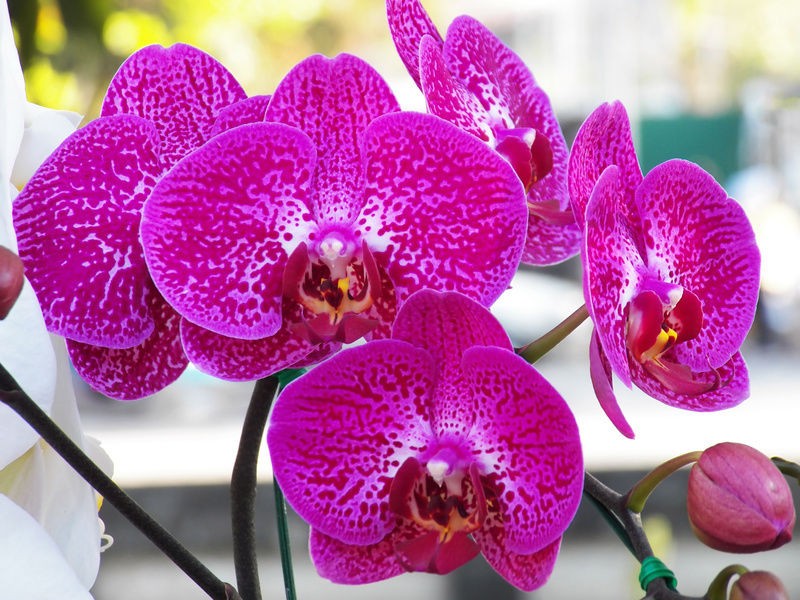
[[317, 222], [479, 84], [418, 452], [671, 273], [78, 218]]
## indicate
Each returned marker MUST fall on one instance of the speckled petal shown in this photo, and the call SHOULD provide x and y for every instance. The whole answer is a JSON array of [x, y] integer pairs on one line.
[[529, 447], [338, 434], [77, 226], [408, 24], [732, 378], [333, 101], [525, 571], [179, 89], [351, 564], [446, 97], [144, 369], [600, 372], [218, 228], [603, 139], [235, 359], [447, 210], [249, 110], [549, 243], [699, 238], [611, 267]]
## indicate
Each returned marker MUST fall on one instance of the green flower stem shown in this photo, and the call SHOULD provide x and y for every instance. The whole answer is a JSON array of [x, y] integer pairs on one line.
[[283, 539], [538, 348], [787, 467], [243, 488], [637, 496], [718, 590], [13, 396]]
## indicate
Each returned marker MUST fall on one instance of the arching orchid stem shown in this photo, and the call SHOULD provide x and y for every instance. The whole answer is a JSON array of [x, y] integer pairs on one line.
[[787, 467], [718, 590], [13, 396], [243, 488], [538, 348], [638, 494], [285, 548]]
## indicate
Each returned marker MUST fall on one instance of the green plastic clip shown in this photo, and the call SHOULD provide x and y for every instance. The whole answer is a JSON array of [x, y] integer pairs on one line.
[[652, 569]]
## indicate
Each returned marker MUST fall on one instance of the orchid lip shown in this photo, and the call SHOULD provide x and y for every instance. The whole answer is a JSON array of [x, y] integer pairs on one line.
[[528, 151]]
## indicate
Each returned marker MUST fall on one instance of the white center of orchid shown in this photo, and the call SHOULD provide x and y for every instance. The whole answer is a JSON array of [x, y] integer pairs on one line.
[[438, 469], [331, 248]]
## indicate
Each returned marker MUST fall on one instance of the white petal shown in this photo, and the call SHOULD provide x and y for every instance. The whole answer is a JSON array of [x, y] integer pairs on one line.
[[33, 567], [12, 97]]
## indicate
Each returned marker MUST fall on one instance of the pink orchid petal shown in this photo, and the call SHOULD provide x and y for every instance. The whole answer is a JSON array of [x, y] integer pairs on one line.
[[427, 182], [335, 471], [144, 369], [447, 97], [548, 242], [729, 385], [527, 572], [351, 564], [529, 444], [179, 89], [699, 238], [600, 372], [235, 359], [88, 270], [603, 139], [333, 101], [249, 110], [408, 24], [217, 229], [611, 265]]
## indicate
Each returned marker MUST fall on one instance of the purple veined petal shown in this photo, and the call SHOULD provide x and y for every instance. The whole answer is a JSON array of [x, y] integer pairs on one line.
[[408, 24], [77, 226], [235, 359], [529, 447], [611, 267], [603, 139], [548, 243], [528, 572], [446, 324], [338, 435], [448, 211], [249, 110], [144, 369], [351, 564], [699, 238], [600, 372], [333, 100], [732, 383], [446, 97], [179, 89], [218, 228]]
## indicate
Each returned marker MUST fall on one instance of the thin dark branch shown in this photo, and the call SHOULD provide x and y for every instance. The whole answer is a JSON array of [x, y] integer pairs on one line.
[[283, 538], [21, 403], [243, 488]]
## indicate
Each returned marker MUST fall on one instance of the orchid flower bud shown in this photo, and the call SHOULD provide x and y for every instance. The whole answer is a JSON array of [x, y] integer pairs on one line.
[[758, 585], [11, 280], [738, 500]]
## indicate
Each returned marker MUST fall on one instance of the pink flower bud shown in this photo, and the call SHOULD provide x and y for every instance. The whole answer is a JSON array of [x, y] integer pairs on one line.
[[758, 585], [738, 500], [11, 280]]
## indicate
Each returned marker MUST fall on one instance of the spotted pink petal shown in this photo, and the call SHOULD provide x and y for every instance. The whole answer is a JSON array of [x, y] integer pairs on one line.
[[351, 564], [603, 139], [447, 97], [338, 435], [249, 110], [549, 242], [529, 447], [731, 379], [698, 237], [77, 225], [408, 24], [528, 572], [333, 101], [179, 89], [139, 371], [600, 372], [218, 228], [428, 185], [236, 359], [612, 269], [447, 324]]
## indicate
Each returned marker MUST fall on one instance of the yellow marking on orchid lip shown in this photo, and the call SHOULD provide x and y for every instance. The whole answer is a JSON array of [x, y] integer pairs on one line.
[[665, 340], [343, 284]]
